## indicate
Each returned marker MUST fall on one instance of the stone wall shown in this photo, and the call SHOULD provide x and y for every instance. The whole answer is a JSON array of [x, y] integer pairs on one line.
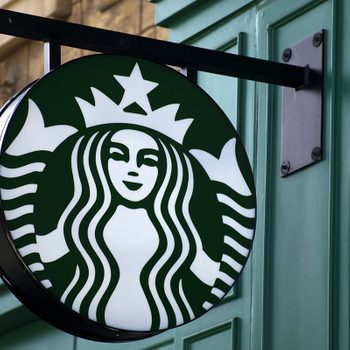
[[21, 61]]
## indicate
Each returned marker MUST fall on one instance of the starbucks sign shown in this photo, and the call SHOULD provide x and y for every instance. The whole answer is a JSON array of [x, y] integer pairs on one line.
[[128, 201]]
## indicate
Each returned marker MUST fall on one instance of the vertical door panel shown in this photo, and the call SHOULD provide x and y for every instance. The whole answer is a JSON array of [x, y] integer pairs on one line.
[[297, 226], [340, 291]]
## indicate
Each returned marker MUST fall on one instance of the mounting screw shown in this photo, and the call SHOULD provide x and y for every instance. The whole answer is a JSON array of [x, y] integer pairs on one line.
[[287, 55], [10, 20], [317, 39], [316, 154], [285, 167]]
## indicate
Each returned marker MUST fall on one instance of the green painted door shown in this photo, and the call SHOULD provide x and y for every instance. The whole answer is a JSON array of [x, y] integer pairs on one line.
[[294, 291]]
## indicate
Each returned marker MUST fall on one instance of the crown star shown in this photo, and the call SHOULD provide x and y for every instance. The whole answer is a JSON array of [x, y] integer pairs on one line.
[[136, 89], [106, 111]]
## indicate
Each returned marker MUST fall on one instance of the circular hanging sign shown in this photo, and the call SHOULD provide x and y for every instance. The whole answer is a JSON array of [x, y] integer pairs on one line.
[[128, 202]]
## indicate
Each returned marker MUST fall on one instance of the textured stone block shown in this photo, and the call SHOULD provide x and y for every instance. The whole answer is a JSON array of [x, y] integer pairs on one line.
[[14, 75], [21, 64], [103, 5], [36, 62], [147, 15], [149, 33], [161, 33], [59, 9]]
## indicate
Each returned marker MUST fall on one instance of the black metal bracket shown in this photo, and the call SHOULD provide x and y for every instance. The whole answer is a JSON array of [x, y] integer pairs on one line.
[[110, 42], [52, 55], [301, 127], [301, 74]]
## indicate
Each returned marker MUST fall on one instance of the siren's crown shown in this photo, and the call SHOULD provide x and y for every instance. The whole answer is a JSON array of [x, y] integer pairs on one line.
[[106, 111]]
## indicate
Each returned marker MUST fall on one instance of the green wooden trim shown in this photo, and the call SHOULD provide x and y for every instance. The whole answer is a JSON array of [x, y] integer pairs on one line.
[[168, 10], [160, 344], [339, 286], [270, 19], [217, 37], [37, 336], [210, 13], [206, 333], [14, 317], [12, 312], [226, 44], [334, 188], [236, 41]]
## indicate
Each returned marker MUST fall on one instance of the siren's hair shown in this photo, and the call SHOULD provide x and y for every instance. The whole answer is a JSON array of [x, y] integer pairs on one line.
[[85, 216], [91, 208]]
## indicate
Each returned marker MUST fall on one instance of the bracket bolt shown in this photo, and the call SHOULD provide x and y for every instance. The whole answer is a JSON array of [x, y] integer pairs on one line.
[[285, 167], [287, 55], [316, 154], [317, 39]]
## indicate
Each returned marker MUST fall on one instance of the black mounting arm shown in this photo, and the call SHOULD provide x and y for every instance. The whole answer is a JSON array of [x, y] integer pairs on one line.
[[109, 42]]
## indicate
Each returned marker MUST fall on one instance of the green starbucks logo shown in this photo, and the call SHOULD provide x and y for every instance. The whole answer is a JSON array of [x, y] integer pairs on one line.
[[127, 193]]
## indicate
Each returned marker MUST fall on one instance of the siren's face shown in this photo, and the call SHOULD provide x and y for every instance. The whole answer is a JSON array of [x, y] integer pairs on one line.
[[133, 164]]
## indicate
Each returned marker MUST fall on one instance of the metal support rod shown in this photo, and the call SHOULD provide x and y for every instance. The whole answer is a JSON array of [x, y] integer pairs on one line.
[[110, 42], [52, 56], [190, 73]]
